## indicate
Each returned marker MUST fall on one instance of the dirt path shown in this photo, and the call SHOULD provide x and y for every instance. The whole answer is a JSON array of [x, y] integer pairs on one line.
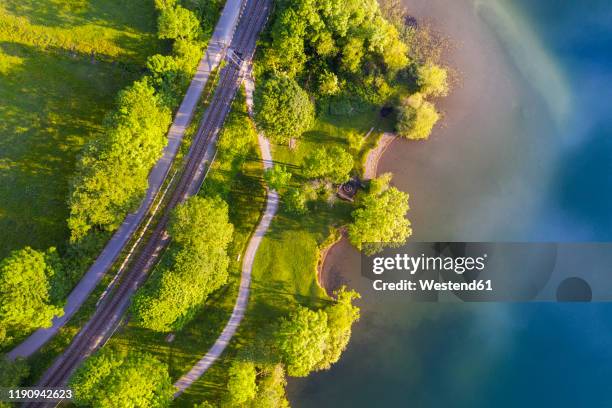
[[371, 165]]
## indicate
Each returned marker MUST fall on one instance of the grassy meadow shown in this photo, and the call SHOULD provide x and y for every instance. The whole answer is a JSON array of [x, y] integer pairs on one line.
[[61, 66]]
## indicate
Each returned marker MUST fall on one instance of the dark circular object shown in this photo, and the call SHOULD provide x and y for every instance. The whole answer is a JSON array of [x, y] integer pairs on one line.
[[574, 290]]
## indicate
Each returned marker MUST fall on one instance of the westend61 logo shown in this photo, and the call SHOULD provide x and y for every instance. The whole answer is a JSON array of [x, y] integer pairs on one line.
[[481, 271]]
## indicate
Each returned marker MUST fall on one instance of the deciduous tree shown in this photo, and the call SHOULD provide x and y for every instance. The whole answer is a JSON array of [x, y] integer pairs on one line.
[[117, 379], [416, 118], [333, 163], [380, 220], [26, 293], [283, 108]]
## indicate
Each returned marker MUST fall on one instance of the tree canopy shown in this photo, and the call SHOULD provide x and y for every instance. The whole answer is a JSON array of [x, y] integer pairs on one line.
[[194, 266], [380, 219], [331, 163], [177, 22], [416, 118], [241, 385], [432, 80], [302, 338], [26, 292], [311, 340], [282, 108], [112, 172], [117, 379]]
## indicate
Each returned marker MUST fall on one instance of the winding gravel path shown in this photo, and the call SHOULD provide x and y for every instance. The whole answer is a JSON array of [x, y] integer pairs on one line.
[[247, 266]]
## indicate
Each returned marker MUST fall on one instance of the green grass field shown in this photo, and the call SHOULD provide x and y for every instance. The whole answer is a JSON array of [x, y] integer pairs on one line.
[[53, 97]]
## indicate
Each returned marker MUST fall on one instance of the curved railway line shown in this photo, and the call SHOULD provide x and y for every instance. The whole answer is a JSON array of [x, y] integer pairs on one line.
[[110, 311]]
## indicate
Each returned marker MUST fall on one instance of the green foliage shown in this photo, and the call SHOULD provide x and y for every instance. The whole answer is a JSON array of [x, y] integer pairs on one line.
[[12, 372], [283, 108], [26, 300], [241, 386], [277, 177], [432, 80], [328, 83], [113, 379], [112, 173], [310, 340], [352, 54], [336, 36], [331, 163], [416, 118], [340, 318], [294, 201], [178, 23], [380, 219], [196, 265], [187, 55], [301, 340], [271, 388]]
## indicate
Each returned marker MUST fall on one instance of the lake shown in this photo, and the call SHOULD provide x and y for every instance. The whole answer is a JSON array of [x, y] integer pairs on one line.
[[524, 153]]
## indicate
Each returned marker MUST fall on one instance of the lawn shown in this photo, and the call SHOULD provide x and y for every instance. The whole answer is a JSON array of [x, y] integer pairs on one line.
[[61, 66]]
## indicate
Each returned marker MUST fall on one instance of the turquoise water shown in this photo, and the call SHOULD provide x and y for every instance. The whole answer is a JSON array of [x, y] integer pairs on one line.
[[524, 153]]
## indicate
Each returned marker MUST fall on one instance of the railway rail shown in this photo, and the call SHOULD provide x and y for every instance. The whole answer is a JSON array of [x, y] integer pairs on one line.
[[110, 312]]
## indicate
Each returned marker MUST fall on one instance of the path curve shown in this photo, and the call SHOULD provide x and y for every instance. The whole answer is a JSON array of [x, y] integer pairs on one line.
[[214, 53], [247, 265]]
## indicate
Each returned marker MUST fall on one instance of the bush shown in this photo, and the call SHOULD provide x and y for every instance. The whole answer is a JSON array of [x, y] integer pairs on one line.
[[295, 201], [277, 177]]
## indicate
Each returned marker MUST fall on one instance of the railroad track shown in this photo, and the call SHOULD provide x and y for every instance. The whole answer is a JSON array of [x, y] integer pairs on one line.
[[110, 311]]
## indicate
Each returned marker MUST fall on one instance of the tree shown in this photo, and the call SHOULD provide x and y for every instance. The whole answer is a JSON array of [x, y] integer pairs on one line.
[[277, 177], [380, 220], [241, 385], [196, 265], [118, 379], [283, 109], [271, 388], [111, 175], [340, 318], [177, 22], [432, 80], [301, 339], [26, 293], [334, 164], [416, 118]]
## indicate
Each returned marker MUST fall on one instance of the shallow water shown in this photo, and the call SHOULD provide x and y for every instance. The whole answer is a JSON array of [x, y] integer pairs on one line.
[[524, 153]]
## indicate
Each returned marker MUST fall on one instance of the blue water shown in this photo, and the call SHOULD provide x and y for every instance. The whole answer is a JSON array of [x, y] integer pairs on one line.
[[525, 154]]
